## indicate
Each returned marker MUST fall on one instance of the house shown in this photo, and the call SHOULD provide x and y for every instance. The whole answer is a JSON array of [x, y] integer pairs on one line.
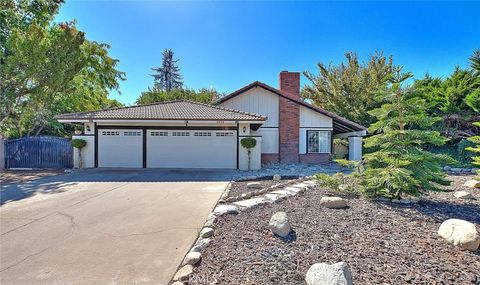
[[185, 134]]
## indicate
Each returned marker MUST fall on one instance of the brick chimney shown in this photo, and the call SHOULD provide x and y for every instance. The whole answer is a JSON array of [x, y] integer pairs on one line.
[[289, 116], [290, 83]]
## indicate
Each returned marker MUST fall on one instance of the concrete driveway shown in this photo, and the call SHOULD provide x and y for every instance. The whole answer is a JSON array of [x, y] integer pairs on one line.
[[104, 226]]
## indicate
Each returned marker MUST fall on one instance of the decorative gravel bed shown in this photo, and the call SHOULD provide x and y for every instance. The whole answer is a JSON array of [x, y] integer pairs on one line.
[[296, 169], [240, 187], [382, 242]]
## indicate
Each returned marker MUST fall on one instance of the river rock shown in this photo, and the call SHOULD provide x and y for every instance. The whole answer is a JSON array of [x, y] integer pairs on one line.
[[460, 233], [329, 274]]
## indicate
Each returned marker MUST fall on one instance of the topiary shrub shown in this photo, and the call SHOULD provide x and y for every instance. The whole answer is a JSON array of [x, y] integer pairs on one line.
[[248, 143], [79, 144]]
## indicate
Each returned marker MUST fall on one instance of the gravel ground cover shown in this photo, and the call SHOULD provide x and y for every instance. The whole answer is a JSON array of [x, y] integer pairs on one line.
[[240, 187], [382, 242], [296, 169]]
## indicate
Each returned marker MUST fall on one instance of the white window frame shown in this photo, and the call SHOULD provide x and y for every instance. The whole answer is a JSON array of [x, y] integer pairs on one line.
[[329, 148]]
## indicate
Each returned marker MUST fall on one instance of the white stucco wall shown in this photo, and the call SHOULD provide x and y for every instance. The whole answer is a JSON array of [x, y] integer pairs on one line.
[[269, 139], [255, 156], [88, 152], [355, 148], [89, 128]]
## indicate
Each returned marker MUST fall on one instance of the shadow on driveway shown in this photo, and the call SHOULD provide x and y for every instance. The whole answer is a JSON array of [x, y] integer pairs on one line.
[[58, 183]]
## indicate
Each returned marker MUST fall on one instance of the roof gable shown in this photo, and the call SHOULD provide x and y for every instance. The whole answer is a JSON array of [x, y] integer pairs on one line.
[[170, 110], [341, 124]]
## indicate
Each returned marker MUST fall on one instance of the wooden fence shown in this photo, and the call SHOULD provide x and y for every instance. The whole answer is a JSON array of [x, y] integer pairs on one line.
[[38, 152]]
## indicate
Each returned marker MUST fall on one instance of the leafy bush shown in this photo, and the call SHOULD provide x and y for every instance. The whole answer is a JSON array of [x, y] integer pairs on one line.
[[329, 181], [248, 143], [78, 143], [339, 182], [476, 149], [340, 147]]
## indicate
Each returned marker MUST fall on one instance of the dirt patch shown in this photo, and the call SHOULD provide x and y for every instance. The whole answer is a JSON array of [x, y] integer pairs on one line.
[[383, 243], [21, 176]]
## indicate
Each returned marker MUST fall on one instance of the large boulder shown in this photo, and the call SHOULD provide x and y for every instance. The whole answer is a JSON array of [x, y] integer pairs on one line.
[[329, 274], [333, 202], [279, 224], [472, 183], [463, 195], [460, 233]]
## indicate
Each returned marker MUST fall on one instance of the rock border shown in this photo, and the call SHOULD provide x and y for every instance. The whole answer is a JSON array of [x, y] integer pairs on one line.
[[269, 195], [459, 170], [280, 185]]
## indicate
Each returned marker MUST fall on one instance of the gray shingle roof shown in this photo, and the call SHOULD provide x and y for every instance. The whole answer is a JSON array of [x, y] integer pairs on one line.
[[171, 110]]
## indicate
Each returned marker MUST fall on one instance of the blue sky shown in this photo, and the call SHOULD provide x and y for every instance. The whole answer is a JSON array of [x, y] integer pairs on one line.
[[226, 45]]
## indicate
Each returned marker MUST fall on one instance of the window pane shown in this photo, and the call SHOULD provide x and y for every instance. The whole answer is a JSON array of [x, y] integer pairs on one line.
[[312, 141], [324, 142], [319, 141]]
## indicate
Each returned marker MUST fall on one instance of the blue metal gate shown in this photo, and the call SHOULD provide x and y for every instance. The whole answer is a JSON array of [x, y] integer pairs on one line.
[[38, 152]]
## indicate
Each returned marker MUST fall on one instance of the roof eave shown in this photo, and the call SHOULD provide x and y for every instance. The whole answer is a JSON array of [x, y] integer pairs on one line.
[[138, 120], [335, 117]]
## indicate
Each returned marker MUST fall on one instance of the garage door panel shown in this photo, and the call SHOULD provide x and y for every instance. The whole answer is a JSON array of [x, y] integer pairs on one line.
[[191, 149], [120, 148]]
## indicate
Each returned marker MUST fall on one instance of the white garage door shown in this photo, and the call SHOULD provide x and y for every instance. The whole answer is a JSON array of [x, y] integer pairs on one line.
[[191, 149], [120, 148]]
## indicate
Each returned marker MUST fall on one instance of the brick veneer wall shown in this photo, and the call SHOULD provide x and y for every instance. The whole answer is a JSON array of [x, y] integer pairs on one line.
[[290, 83], [315, 158], [288, 130], [289, 118], [269, 158]]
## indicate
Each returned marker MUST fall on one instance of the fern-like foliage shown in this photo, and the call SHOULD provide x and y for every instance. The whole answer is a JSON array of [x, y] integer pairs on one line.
[[399, 163], [476, 149]]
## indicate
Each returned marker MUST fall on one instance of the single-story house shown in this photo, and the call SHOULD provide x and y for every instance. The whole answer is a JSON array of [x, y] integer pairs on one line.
[[185, 134]]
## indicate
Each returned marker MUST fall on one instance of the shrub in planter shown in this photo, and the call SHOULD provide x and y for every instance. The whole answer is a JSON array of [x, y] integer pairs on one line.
[[79, 144]]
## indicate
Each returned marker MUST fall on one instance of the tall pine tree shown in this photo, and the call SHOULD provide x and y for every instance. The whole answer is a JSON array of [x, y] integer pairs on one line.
[[168, 77], [398, 163]]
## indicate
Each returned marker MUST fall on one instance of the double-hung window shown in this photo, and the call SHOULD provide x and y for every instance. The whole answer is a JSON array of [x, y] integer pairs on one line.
[[319, 141]]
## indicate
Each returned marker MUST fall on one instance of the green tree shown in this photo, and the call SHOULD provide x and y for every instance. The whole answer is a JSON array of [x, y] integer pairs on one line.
[[48, 69], [456, 100], [399, 164], [349, 88], [155, 95], [476, 149], [168, 77], [473, 99]]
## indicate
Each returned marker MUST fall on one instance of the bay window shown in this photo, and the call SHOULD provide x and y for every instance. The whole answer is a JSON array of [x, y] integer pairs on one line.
[[319, 141]]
